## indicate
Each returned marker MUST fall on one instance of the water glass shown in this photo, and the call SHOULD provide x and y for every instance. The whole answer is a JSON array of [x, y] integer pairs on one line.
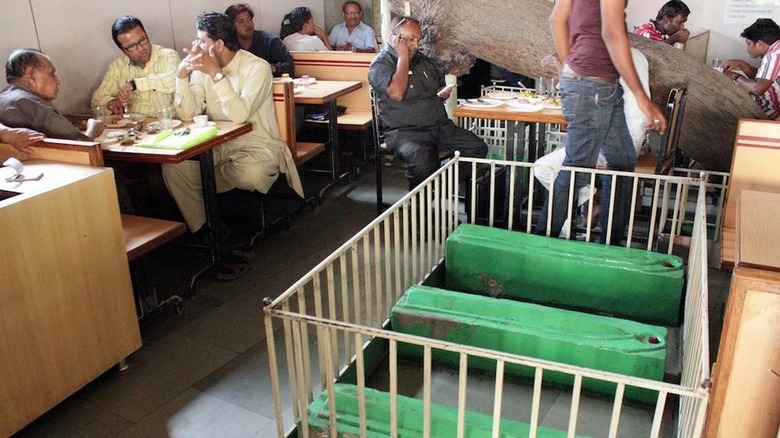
[[100, 113], [165, 118], [717, 64], [541, 86]]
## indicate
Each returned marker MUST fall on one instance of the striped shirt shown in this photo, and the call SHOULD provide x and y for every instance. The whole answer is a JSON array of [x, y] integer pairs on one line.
[[770, 70], [649, 31], [155, 83]]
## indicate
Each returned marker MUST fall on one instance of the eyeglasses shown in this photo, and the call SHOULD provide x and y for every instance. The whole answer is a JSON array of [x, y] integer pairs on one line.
[[352, 14], [133, 47]]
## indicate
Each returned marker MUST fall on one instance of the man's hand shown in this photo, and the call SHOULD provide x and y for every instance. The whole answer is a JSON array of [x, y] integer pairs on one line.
[[190, 62], [444, 92], [653, 115], [20, 138], [680, 36], [116, 106], [401, 46], [94, 128]]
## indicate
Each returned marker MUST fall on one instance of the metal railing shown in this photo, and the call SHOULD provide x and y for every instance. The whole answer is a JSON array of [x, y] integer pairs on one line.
[[332, 323]]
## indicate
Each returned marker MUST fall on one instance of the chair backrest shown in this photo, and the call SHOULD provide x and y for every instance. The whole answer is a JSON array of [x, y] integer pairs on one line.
[[284, 107], [667, 152], [57, 149], [379, 135]]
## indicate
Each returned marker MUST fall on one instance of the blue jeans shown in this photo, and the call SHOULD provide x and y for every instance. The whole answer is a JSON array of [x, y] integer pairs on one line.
[[593, 109]]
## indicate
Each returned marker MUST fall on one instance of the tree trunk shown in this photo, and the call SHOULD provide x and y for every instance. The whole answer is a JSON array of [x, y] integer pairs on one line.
[[516, 35]]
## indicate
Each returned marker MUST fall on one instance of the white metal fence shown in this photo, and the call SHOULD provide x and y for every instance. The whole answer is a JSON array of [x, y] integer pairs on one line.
[[329, 324]]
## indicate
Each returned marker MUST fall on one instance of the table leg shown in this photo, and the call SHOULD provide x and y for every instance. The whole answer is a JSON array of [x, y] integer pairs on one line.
[[516, 150], [335, 147], [209, 183]]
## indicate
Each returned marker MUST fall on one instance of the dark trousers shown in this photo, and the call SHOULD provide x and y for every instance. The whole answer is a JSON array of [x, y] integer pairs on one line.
[[420, 149]]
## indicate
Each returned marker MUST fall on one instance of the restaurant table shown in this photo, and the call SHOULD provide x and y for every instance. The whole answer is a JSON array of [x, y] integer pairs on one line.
[[515, 147], [203, 151], [516, 123], [326, 93]]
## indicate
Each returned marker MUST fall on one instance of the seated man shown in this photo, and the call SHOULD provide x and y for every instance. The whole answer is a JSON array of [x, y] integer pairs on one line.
[[410, 89], [142, 80], [669, 24], [231, 84], [26, 102], [19, 138], [763, 41], [353, 34], [635, 120], [306, 35], [259, 42]]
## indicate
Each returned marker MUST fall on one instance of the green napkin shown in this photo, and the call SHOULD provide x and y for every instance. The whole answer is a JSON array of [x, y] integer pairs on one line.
[[174, 140]]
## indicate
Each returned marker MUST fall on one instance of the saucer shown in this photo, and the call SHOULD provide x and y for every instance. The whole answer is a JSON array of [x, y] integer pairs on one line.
[[209, 123]]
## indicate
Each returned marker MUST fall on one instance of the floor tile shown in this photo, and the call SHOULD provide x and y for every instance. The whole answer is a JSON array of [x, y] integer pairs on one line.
[[156, 375], [195, 414]]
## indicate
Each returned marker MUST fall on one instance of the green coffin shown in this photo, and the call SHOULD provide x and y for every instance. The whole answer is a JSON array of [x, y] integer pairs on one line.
[[410, 418], [615, 281], [592, 341]]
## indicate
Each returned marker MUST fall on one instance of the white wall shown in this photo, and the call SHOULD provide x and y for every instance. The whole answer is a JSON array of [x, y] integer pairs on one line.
[[76, 34], [724, 43]]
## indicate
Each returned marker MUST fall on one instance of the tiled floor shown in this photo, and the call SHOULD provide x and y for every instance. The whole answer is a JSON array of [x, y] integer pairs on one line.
[[204, 372]]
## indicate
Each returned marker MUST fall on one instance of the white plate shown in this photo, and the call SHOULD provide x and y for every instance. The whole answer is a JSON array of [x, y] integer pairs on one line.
[[552, 107], [525, 107], [209, 123], [298, 81], [116, 121], [481, 103], [111, 135], [501, 95], [174, 124]]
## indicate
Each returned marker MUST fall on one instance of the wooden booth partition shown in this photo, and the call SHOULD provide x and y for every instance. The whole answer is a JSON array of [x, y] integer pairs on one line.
[[754, 166], [341, 66], [745, 400], [66, 301]]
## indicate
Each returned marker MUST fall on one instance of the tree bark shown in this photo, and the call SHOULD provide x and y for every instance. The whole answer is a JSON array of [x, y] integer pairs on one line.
[[516, 35]]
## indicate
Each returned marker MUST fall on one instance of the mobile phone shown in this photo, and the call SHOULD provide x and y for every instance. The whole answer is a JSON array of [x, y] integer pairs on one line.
[[446, 89]]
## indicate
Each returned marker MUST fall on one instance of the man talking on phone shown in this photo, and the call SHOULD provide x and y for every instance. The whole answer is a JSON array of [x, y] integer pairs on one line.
[[410, 91]]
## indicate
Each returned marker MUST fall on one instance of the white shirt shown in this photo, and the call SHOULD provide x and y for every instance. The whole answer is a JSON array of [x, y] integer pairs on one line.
[[362, 37], [298, 42]]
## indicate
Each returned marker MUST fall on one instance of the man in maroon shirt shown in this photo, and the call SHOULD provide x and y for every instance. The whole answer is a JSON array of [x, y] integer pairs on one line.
[[590, 38]]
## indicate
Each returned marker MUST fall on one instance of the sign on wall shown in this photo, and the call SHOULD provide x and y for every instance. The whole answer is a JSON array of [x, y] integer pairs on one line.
[[747, 11]]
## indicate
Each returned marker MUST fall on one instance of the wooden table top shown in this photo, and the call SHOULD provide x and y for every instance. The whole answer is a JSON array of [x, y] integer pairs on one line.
[[227, 131], [324, 91], [504, 113], [758, 235]]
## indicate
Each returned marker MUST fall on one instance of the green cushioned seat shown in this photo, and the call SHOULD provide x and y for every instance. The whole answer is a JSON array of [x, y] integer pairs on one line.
[[410, 418], [616, 281], [592, 341]]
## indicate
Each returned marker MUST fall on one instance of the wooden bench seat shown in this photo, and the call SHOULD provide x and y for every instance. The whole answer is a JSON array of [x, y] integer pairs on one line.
[[143, 234], [349, 121]]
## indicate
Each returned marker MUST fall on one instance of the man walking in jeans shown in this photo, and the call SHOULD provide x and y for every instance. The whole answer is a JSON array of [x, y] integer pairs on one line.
[[590, 37]]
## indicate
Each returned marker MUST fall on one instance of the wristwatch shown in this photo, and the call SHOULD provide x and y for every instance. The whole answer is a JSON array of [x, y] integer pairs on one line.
[[217, 77]]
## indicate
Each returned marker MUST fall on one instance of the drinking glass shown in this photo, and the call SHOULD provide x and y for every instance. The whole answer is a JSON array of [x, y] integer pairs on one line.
[[717, 64], [165, 117]]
